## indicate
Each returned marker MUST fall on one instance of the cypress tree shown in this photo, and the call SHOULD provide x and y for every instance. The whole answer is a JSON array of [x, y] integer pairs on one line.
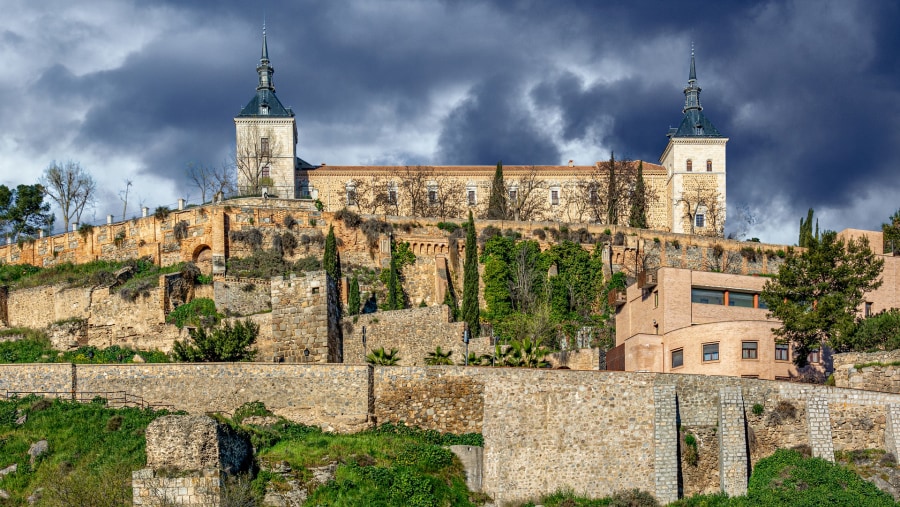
[[329, 259], [638, 215], [353, 300], [395, 294], [612, 194], [470, 280], [497, 209], [806, 230]]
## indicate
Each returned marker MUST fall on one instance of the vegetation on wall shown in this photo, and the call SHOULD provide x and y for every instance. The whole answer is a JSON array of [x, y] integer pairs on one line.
[[269, 263], [33, 346], [381, 357], [199, 312], [223, 343], [353, 297]]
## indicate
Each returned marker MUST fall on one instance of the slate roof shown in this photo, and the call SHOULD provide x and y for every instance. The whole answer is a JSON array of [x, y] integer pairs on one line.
[[264, 96], [695, 124]]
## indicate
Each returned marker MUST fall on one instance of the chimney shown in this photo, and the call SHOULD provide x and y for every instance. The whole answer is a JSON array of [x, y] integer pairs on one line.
[[180, 204], [145, 211], [571, 163], [109, 219], [74, 226]]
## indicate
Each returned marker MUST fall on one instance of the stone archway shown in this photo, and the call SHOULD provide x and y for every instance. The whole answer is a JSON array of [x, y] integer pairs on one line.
[[203, 259]]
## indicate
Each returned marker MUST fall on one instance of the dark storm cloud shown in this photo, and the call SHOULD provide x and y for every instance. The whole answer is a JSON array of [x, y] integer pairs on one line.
[[492, 125]]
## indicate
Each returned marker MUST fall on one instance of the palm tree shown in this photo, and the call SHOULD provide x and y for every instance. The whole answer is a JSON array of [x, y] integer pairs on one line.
[[438, 357], [381, 358]]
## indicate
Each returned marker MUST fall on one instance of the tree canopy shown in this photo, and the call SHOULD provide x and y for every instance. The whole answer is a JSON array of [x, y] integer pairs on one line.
[[23, 211], [816, 293], [71, 187]]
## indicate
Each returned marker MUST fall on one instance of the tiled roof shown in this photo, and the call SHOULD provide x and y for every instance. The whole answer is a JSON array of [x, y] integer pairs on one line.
[[480, 170], [696, 124]]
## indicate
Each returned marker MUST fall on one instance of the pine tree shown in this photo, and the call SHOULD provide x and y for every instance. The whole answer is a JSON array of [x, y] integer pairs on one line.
[[497, 209], [353, 300], [470, 280], [638, 215], [612, 214]]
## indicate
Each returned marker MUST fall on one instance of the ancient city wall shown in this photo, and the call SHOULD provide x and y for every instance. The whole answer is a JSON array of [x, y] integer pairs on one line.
[[872, 371], [333, 396], [414, 332], [242, 296]]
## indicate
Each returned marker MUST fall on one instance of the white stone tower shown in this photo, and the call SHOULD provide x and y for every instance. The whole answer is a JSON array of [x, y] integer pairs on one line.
[[695, 162], [266, 139]]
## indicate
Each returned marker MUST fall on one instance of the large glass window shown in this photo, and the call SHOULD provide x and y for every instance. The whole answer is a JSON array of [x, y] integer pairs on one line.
[[740, 299], [677, 358], [762, 304], [749, 350], [710, 351], [708, 297], [782, 352]]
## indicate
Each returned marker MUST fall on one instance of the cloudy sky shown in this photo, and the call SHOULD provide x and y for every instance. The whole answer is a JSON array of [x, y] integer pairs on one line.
[[808, 92]]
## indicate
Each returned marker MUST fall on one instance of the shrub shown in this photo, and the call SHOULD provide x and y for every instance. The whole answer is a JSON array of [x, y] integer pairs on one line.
[[288, 243], [250, 237], [676, 244], [784, 411], [619, 239], [382, 358], [539, 234], [85, 230], [161, 213], [749, 253], [758, 409], [200, 312], [225, 343], [251, 409], [373, 229], [350, 219], [447, 226], [289, 221], [691, 453], [180, 230]]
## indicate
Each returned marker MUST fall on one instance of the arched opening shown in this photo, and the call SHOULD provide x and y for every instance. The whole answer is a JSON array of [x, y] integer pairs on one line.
[[202, 257]]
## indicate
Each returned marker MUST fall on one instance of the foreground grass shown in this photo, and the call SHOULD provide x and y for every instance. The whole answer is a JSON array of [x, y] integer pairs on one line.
[[92, 451]]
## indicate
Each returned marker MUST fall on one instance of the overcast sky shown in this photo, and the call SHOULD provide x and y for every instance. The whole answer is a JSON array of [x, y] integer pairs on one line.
[[807, 92]]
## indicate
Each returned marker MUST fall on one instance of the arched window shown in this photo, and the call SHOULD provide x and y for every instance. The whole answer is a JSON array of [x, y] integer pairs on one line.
[[690, 165], [709, 165]]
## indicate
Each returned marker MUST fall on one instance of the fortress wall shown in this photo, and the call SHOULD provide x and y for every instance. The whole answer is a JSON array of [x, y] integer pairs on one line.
[[242, 296], [335, 397], [39, 307], [880, 371], [413, 332], [44, 378]]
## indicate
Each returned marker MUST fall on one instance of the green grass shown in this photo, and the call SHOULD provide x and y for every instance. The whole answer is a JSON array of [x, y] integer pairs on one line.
[[35, 348], [875, 363], [92, 448], [101, 272]]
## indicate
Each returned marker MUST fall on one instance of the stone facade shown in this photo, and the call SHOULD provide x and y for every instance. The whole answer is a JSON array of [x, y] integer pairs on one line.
[[414, 332], [187, 457], [872, 371], [305, 313], [242, 296]]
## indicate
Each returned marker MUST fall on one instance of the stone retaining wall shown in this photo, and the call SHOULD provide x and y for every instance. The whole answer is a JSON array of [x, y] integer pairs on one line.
[[883, 375]]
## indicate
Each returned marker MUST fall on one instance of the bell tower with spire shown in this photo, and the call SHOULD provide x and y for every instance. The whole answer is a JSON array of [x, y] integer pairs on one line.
[[266, 135], [694, 160]]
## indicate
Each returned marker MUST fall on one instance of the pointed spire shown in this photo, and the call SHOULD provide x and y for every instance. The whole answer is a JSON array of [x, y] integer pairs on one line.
[[691, 77], [692, 92], [265, 70]]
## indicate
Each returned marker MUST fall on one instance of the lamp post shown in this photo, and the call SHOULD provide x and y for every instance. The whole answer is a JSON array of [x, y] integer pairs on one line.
[[364, 342], [466, 341]]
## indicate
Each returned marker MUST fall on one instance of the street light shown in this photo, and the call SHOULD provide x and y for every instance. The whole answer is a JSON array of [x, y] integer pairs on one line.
[[364, 342], [466, 341]]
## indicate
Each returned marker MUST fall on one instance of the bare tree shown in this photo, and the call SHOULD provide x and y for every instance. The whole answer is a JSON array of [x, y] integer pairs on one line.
[[528, 197], [701, 199], [71, 187], [255, 149], [211, 180], [426, 193], [376, 194], [123, 195]]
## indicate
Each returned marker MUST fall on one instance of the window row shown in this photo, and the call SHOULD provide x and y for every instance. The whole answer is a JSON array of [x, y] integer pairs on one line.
[[749, 351], [690, 165], [727, 298], [432, 195]]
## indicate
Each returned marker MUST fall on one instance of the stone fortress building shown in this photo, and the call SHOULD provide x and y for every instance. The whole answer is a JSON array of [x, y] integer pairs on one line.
[[685, 189]]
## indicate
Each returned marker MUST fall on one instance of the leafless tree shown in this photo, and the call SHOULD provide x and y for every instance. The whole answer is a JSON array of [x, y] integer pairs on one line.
[[530, 202], [71, 187], [211, 180], [700, 197], [426, 193], [255, 149], [720, 260], [376, 194], [123, 195]]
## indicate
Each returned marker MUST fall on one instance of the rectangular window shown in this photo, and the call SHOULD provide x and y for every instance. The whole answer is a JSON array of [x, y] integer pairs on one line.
[[392, 196], [656, 299], [594, 196], [700, 220], [709, 166], [470, 196], [868, 312], [351, 196], [432, 196], [762, 304], [813, 356], [710, 351], [708, 297], [782, 352], [265, 172], [749, 350], [749, 376], [554, 197], [741, 299], [677, 358], [264, 146], [513, 196]]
